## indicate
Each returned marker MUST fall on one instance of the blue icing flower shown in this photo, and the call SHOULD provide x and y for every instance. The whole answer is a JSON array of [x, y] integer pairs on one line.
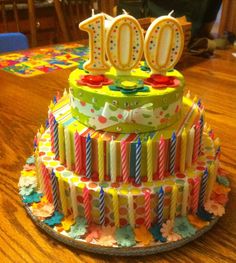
[[183, 227], [30, 160], [79, 228], [156, 232], [204, 215], [223, 180], [144, 67], [26, 190], [32, 198], [55, 219], [125, 236]]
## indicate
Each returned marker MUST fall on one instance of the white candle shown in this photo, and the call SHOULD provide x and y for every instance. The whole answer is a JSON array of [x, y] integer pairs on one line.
[[190, 144], [73, 199], [131, 209], [185, 198]]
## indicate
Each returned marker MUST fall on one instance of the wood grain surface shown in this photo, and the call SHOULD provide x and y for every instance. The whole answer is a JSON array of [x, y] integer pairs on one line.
[[24, 104]]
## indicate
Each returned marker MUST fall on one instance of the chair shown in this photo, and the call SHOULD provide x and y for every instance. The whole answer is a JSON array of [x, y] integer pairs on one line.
[[13, 42]]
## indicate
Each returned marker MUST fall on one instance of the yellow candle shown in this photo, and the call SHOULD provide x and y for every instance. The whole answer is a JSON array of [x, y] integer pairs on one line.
[[113, 168], [61, 139], [190, 144], [115, 203], [183, 151], [149, 160], [68, 149], [100, 159], [131, 209], [211, 180], [62, 194], [173, 202], [185, 198], [73, 200]]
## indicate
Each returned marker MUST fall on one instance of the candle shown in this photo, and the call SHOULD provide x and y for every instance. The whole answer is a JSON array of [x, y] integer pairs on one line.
[[124, 161], [138, 162], [113, 168], [115, 203], [73, 199], [183, 151], [95, 27], [184, 208], [173, 204], [190, 144], [78, 153], [62, 195], [100, 159], [88, 156], [61, 138], [203, 188], [131, 209], [47, 184], [163, 46], [54, 185], [68, 149], [56, 140], [87, 205], [149, 160], [160, 206], [195, 194], [51, 121], [41, 129], [211, 180], [162, 157], [172, 153], [147, 206], [201, 123], [196, 142], [102, 206]]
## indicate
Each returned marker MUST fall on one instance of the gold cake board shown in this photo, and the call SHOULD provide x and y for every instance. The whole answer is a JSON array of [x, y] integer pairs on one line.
[[118, 251]]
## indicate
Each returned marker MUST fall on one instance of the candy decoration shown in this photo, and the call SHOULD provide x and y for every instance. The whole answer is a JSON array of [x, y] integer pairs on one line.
[[78, 153], [131, 209], [54, 185], [203, 188], [190, 145], [115, 203], [149, 160], [138, 162], [51, 122], [100, 159], [102, 206], [185, 199], [87, 205], [113, 168], [195, 194], [173, 204], [147, 206], [160, 206], [196, 142], [88, 156], [183, 151], [211, 181], [56, 139], [124, 161], [172, 157], [162, 157]]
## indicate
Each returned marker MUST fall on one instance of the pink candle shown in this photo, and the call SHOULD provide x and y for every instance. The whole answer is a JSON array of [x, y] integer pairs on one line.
[[195, 194], [196, 142], [162, 158], [78, 153], [51, 125], [47, 184], [124, 161], [87, 205], [147, 206]]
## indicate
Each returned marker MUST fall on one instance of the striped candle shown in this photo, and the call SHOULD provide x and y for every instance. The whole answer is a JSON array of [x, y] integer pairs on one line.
[[149, 160], [56, 139], [47, 184], [173, 203], [190, 145], [172, 154], [138, 162], [78, 153], [73, 197], [54, 185], [115, 203], [113, 168], [203, 189], [124, 161], [184, 208], [201, 123], [196, 142], [87, 205], [160, 206], [211, 180], [147, 206], [183, 151], [88, 156], [162, 157], [100, 159], [102, 207], [195, 194], [51, 122], [131, 209]]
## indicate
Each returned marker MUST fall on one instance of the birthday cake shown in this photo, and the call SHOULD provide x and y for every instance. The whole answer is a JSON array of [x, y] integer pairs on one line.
[[126, 159]]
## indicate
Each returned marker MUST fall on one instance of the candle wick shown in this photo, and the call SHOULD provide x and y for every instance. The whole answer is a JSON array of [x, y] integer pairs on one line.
[[93, 12], [171, 12], [124, 12]]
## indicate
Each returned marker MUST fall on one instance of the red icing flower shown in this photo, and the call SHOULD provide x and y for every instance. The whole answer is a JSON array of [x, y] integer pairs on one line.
[[158, 81], [94, 81]]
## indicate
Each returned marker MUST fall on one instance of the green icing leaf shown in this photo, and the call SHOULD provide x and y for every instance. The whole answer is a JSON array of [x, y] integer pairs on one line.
[[146, 116], [113, 118], [167, 115], [112, 108], [165, 107], [96, 107]]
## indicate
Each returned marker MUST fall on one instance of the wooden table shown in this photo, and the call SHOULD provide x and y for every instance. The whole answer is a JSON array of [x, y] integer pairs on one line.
[[24, 104]]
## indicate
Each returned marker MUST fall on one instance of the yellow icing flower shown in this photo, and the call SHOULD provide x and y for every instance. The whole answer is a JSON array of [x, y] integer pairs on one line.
[[143, 236], [221, 189], [68, 222], [197, 222]]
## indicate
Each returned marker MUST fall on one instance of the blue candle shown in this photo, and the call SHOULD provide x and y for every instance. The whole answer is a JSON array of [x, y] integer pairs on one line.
[[138, 162], [172, 153], [88, 156], [203, 189], [160, 206], [102, 206]]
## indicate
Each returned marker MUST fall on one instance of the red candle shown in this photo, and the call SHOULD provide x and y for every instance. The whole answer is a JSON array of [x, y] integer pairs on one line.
[[162, 158], [87, 205], [195, 194], [196, 142], [47, 184], [147, 206], [124, 161], [78, 153]]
